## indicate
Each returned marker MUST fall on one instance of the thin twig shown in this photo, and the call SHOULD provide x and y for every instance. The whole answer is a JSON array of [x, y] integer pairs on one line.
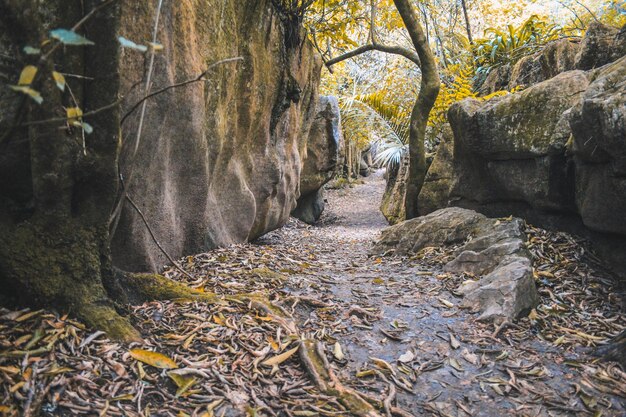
[[181, 84], [136, 105], [156, 241], [117, 211]]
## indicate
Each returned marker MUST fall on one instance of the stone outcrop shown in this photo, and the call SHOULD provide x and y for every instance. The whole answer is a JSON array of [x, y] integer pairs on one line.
[[512, 148], [492, 250], [598, 147], [220, 160], [601, 45], [392, 204], [554, 154], [440, 177], [321, 161], [555, 58]]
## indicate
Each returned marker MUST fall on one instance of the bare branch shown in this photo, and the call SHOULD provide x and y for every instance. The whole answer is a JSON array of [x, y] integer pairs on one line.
[[397, 50], [154, 239], [181, 84]]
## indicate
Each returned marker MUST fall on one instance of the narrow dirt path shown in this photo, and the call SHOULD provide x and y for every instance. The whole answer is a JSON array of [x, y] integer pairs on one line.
[[395, 321], [391, 328]]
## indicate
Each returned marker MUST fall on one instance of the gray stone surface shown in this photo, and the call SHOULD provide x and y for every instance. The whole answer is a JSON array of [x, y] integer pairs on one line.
[[310, 207], [220, 160], [322, 160], [493, 250], [598, 125], [601, 45]]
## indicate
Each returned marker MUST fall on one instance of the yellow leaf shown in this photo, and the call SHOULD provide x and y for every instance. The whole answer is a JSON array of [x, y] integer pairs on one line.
[[183, 382], [125, 397], [219, 320], [28, 75], [274, 345], [158, 360], [34, 94], [366, 373], [278, 359], [383, 364], [59, 79], [74, 113]]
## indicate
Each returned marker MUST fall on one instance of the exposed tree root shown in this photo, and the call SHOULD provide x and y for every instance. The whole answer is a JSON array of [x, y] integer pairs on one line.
[[314, 360], [615, 350], [138, 288]]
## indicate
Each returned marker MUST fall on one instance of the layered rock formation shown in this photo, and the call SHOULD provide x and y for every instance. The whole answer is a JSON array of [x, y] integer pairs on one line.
[[554, 153], [493, 250], [556, 57], [322, 159], [219, 160], [601, 45]]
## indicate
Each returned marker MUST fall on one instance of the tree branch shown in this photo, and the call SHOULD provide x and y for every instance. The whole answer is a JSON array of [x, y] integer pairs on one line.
[[181, 84], [396, 50], [154, 239]]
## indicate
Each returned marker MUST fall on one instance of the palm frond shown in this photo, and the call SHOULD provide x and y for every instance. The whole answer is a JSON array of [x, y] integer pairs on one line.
[[371, 120]]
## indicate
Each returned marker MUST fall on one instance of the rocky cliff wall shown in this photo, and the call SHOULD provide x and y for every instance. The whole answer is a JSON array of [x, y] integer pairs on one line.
[[219, 161], [554, 154]]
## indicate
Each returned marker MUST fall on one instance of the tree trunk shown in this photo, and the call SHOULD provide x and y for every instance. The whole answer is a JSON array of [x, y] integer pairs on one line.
[[54, 244], [467, 23], [429, 90]]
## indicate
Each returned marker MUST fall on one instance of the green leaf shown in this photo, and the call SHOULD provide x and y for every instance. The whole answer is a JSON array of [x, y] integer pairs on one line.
[[69, 37], [126, 43], [87, 128], [34, 94], [29, 50]]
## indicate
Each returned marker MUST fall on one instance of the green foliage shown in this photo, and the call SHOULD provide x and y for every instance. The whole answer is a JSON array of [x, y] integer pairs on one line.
[[370, 119], [502, 47], [69, 37], [614, 13]]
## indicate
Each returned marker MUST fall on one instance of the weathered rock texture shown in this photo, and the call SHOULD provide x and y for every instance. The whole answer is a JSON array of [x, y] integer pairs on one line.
[[321, 161], [392, 204], [512, 148], [220, 160], [493, 250], [554, 154], [439, 179], [555, 58], [601, 45]]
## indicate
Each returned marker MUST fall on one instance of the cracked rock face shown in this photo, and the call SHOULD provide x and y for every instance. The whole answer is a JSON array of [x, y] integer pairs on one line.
[[494, 251]]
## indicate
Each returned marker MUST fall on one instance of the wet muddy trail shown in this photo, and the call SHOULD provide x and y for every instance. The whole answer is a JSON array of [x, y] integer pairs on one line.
[[396, 321]]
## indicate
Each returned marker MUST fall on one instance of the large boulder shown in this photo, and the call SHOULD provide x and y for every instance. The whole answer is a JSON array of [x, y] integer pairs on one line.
[[598, 125], [220, 160], [513, 148], [435, 192], [554, 153], [601, 45], [321, 161], [555, 58], [392, 205], [490, 249]]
